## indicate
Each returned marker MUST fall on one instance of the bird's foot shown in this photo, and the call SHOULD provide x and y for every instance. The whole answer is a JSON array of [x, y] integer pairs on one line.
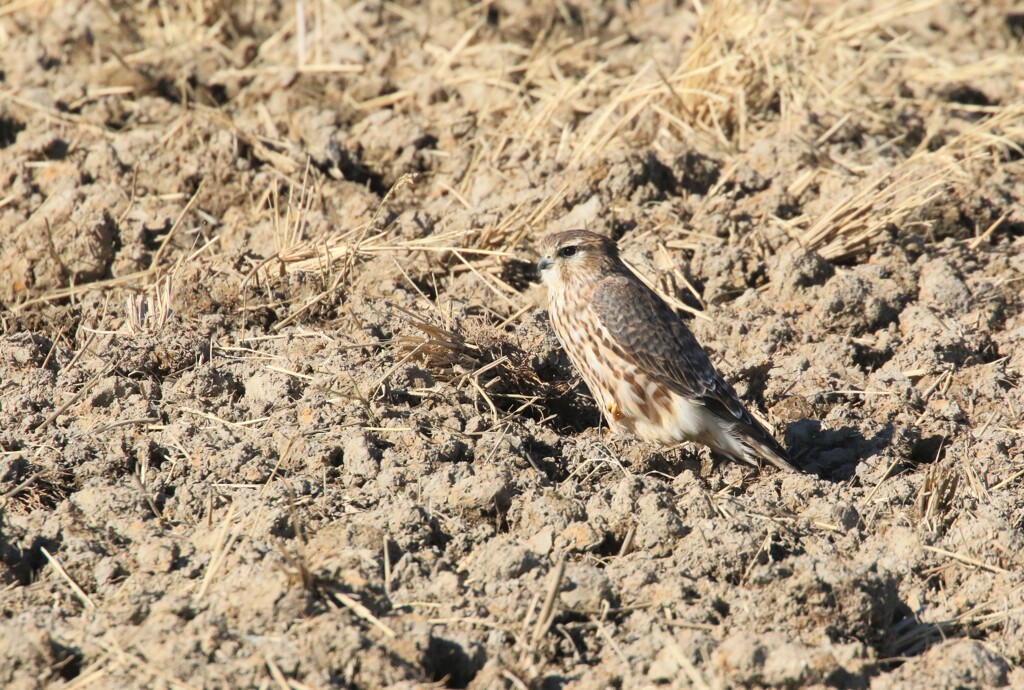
[[614, 411]]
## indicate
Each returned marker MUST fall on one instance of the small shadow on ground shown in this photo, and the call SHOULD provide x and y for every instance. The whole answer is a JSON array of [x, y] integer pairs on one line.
[[833, 454]]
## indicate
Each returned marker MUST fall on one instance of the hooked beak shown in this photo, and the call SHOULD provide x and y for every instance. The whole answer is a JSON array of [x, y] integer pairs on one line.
[[544, 264]]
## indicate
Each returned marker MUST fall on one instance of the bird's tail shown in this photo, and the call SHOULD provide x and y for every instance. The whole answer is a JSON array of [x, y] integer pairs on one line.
[[759, 448], [745, 439]]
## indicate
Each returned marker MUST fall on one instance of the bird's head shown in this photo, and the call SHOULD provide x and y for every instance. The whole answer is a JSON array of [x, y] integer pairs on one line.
[[576, 257]]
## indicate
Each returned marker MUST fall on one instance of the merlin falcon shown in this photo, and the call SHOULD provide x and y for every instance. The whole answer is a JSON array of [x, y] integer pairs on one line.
[[646, 371]]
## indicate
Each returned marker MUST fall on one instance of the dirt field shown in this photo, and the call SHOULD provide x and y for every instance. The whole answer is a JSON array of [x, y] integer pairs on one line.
[[280, 406]]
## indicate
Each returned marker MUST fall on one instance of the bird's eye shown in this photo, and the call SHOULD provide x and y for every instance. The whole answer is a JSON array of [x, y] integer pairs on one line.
[[565, 252]]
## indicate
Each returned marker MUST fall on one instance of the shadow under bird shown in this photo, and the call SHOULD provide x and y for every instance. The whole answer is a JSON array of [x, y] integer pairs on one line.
[[645, 369]]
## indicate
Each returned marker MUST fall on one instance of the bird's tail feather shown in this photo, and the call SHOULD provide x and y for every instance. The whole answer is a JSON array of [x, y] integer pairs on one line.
[[759, 450], [748, 441]]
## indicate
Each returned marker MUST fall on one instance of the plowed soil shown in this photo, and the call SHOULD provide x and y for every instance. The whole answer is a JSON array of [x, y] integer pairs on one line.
[[280, 405]]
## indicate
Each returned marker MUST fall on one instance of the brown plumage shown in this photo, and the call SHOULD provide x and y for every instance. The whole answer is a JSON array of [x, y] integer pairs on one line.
[[647, 372]]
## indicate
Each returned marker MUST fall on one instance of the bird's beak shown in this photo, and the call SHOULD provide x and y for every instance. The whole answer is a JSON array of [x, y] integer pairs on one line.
[[544, 264]]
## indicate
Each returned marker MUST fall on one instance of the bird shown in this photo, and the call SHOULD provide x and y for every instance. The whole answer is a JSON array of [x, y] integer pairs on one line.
[[646, 371]]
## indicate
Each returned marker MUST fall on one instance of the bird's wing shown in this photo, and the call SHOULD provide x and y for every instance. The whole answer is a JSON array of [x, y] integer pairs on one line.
[[646, 330]]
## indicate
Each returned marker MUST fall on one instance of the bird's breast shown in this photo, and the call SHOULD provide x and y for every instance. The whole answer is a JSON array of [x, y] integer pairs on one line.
[[629, 398]]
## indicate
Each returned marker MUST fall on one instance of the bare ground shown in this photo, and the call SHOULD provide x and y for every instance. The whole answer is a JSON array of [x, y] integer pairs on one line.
[[280, 406]]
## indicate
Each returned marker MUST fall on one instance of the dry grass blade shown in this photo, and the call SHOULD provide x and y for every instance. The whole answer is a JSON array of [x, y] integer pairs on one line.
[[150, 310], [177, 224], [860, 221], [225, 539], [19, 488], [968, 560], [119, 655], [546, 616], [444, 351], [101, 285], [90, 677], [80, 593], [362, 612], [74, 399], [41, 485], [343, 249], [913, 635], [299, 570], [477, 355], [693, 674], [874, 19], [748, 64], [275, 673], [723, 80], [547, 611], [936, 496]]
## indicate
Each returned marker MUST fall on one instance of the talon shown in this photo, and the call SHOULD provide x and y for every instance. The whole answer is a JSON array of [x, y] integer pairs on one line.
[[614, 411]]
